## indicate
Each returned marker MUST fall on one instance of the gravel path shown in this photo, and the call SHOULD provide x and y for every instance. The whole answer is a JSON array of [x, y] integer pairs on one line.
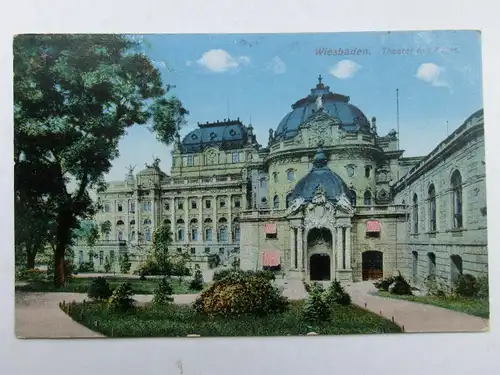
[[38, 315]]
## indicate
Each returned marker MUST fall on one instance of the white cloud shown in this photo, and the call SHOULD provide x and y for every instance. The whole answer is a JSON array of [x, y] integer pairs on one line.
[[345, 69], [219, 61], [431, 73], [276, 65], [159, 64]]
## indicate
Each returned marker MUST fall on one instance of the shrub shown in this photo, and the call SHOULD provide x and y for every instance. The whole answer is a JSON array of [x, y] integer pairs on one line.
[[121, 300], [400, 286], [163, 294], [99, 289], [197, 282], [384, 283], [316, 307], [125, 263], [219, 275], [307, 286], [336, 294], [241, 293], [85, 267], [465, 286], [31, 275], [482, 287], [214, 260], [435, 287]]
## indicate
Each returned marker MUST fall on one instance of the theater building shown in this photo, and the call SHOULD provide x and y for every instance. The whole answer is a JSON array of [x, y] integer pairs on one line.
[[327, 198]]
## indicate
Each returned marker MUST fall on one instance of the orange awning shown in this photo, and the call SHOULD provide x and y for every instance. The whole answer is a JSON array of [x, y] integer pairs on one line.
[[271, 258], [373, 226]]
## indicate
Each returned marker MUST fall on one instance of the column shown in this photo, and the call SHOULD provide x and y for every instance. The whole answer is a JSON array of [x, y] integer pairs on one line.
[[292, 248], [136, 216], [200, 218], [214, 218], [333, 260], [244, 201], [153, 214], [186, 219], [172, 218], [348, 247], [340, 246], [300, 253], [229, 219]]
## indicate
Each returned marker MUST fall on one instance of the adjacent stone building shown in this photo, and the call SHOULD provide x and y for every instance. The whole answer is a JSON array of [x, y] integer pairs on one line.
[[327, 198]]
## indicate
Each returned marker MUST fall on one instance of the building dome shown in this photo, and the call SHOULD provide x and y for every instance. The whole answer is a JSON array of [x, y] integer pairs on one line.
[[320, 176], [336, 105], [226, 135]]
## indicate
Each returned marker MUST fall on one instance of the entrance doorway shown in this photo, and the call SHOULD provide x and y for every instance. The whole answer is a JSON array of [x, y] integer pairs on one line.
[[372, 265], [320, 267]]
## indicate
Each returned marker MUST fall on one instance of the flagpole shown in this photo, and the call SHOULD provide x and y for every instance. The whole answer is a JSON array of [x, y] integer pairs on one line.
[[397, 114]]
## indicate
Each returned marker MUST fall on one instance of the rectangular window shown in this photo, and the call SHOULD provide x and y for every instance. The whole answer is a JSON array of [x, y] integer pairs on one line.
[[207, 250], [190, 160], [237, 234], [167, 206], [101, 257], [194, 234], [193, 251], [208, 234], [107, 207], [112, 256], [120, 207], [132, 207], [180, 235], [221, 250], [180, 205], [179, 249], [222, 203], [237, 203], [193, 204], [208, 203], [236, 157]]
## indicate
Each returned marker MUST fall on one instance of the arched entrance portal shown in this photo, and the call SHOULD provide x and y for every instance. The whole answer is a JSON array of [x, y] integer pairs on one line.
[[372, 265], [319, 247], [320, 267]]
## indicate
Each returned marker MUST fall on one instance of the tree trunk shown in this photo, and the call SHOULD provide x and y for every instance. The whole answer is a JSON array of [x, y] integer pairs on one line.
[[30, 259], [62, 241]]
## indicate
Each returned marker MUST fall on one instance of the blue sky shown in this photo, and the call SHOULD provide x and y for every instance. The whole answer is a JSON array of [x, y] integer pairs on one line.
[[259, 76]]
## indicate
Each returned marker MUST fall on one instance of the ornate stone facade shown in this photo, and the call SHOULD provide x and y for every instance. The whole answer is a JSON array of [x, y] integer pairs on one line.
[[336, 195]]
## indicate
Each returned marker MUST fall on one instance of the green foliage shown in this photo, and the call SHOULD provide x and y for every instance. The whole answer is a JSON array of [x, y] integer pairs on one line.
[[105, 227], [107, 264], [75, 95], [99, 289], [384, 284], [400, 286], [180, 320], [316, 308], [163, 294], [436, 286], [236, 263], [31, 275], [241, 293], [220, 274], [213, 260], [121, 299], [482, 284], [465, 286], [85, 267], [197, 282], [149, 267], [336, 294], [125, 263]]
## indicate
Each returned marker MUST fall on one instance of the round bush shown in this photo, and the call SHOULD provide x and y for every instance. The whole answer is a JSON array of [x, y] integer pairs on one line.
[[466, 286], [99, 289], [241, 293], [121, 299], [163, 294]]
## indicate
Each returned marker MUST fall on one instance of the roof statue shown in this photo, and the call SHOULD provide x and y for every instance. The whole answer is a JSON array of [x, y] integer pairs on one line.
[[319, 103], [130, 169], [155, 165]]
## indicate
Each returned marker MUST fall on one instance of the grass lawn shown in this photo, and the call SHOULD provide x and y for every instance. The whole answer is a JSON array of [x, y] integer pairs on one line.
[[476, 307], [81, 285], [181, 320]]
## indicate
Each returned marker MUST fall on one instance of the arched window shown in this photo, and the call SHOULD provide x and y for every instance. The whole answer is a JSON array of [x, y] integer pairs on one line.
[[432, 208], [107, 236], [288, 200], [456, 189], [194, 234], [276, 202], [415, 213], [148, 234], [222, 220], [456, 267], [368, 170], [208, 221], [147, 221], [415, 266], [352, 197], [120, 222], [132, 222], [290, 175], [368, 198], [431, 257], [193, 222], [180, 221], [167, 222]]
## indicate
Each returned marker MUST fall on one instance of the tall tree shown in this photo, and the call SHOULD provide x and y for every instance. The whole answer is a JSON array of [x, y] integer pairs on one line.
[[162, 239], [74, 97]]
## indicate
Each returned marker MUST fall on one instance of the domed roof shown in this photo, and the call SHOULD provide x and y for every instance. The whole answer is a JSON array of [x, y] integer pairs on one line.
[[336, 105], [320, 176], [226, 135]]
